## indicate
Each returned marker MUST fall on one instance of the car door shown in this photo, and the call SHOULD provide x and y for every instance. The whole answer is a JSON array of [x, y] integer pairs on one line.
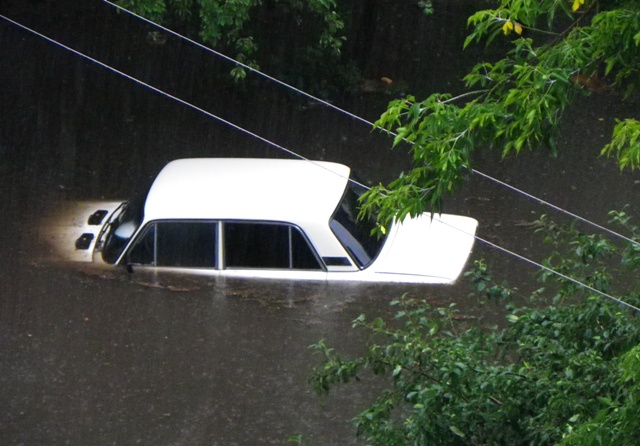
[[268, 250], [179, 244]]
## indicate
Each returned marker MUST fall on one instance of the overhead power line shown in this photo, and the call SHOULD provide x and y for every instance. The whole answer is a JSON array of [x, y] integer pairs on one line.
[[170, 96], [291, 152], [559, 274]]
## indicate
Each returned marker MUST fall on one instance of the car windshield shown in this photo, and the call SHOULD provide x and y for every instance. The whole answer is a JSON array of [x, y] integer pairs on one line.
[[353, 233], [120, 229]]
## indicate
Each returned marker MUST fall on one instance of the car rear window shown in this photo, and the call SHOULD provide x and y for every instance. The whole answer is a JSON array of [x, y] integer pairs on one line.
[[355, 234]]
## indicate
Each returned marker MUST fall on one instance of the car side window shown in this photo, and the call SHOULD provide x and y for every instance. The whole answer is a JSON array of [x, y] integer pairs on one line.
[[267, 245], [177, 244]]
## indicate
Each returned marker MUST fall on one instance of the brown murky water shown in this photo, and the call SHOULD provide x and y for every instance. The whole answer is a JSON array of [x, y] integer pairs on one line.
[[105, 357]]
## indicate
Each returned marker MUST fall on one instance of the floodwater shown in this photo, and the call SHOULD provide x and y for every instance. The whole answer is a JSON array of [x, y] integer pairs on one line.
[[92, 356]]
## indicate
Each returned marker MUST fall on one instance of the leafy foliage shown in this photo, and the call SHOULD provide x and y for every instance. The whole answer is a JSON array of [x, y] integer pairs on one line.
[[558, 48], [564, 368], [625, 143], [244, 28]]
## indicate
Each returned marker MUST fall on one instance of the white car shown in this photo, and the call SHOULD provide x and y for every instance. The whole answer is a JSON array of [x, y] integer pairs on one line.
[[270, 218]]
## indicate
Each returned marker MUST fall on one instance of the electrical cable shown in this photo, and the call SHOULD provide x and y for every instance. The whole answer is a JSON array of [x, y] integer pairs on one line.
[[243, 65], [241, 129], [557, 273], [175, 98]]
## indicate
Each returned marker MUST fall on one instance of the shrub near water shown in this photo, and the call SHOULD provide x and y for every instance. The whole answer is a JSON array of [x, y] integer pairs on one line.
[[565, 369]]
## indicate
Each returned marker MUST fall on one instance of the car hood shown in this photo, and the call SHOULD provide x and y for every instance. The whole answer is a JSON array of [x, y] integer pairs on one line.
[[435, 248]]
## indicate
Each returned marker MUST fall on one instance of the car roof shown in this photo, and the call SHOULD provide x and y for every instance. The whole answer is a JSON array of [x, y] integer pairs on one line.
[[289, 190]]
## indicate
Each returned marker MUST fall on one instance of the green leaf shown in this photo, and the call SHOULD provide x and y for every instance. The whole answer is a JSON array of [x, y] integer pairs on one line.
[[457, 431]]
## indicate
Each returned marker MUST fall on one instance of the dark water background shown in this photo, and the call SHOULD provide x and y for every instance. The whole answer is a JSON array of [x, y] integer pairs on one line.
[[105, 357]]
